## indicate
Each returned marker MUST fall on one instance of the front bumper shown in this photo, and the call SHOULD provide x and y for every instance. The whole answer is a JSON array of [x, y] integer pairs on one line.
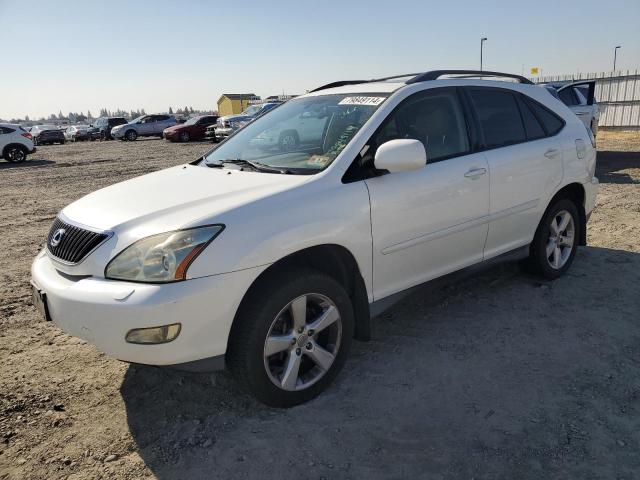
[[117, 133], [223, 132], [102, 311]]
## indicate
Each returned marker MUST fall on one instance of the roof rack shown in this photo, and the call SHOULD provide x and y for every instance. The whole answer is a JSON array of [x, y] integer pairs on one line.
[[340, 83], [426, 76], [435, 74]]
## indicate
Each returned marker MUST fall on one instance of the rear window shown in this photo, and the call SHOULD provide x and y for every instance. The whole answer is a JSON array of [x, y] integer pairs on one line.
[[550, 121], [568, 97], [499, 117], [531, 124]]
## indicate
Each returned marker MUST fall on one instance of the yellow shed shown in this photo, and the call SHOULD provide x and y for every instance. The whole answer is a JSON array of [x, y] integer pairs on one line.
[[234, 103]]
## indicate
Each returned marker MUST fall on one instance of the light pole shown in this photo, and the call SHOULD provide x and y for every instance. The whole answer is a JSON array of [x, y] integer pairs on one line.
[[615, 56], [482, 40]]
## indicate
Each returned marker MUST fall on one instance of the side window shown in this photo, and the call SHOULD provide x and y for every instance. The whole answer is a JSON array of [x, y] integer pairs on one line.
[[550, 121], [3, 130], [435, 118], [161, 118], [531, 124], [568, 97], [499, 117]]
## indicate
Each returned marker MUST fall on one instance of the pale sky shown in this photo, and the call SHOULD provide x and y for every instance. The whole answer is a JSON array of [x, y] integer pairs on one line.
[[85, 55]]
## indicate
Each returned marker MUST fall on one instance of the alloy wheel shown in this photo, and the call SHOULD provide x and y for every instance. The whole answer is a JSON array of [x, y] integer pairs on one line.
[[16, 154], [303, 342], [561, 239]]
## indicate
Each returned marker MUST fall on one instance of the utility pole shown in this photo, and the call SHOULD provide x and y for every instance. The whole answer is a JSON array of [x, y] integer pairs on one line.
[[482, 40]]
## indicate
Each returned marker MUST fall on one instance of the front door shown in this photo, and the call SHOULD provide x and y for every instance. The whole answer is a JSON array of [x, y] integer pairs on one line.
[[431, 221]]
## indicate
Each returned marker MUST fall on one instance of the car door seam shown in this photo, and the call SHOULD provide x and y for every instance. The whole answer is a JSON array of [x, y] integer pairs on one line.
[[460, 227]]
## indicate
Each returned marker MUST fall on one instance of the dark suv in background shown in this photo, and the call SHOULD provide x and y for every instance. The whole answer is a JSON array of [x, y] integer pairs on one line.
[[101, 128]]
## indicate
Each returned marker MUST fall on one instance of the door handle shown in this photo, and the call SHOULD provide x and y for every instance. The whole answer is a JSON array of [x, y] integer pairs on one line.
[[475, 173], [551, 153]]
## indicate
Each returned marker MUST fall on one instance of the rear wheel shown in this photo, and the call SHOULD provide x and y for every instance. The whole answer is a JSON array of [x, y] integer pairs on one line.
[[15, 154], [556, 241], [131, 135], [291, 337]]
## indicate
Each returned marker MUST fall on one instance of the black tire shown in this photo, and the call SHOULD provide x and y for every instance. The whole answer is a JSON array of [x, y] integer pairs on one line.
[[14, 154], [185, 137], [538, 261], [254, 320], [131, 135], [62, 142], [289, 140]]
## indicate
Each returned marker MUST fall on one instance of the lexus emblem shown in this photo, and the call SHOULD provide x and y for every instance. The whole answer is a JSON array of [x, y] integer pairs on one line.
[[56, 238]]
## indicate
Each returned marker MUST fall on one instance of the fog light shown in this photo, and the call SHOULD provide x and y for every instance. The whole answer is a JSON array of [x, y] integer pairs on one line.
[[153, 335]]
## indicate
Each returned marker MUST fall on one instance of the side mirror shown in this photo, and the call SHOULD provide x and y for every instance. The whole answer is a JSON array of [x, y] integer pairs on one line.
[[400, 156]]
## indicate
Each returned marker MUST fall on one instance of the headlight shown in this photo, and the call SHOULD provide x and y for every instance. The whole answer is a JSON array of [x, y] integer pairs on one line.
[[161, 258]]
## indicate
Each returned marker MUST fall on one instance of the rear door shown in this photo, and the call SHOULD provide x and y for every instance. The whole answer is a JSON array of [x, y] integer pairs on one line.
[[580, 98], [525, 162], [430, 221]]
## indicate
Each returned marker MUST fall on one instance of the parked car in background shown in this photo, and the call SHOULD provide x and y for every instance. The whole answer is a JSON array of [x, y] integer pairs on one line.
[[270, 263], [101, 128], [144, 126], [47, 135], [230, 123], [192, 129], [77, 133], [580, 98], [15, 143]]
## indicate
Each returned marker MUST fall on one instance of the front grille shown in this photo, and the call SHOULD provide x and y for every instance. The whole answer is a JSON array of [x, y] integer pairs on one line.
[[75, 243]]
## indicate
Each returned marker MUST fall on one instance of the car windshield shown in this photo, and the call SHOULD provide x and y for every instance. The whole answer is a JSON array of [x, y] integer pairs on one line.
[[250, 111], [192, 121], [303, 135], [138, 119]]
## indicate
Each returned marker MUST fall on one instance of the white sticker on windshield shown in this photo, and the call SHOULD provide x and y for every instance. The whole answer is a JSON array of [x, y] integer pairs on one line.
[[361, 101]]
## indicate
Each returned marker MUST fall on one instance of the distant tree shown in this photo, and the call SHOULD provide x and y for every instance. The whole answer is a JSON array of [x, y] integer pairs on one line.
[[170, 111], [26, 118], [191, 110], [52, 116], [81, 118], [89, 116]]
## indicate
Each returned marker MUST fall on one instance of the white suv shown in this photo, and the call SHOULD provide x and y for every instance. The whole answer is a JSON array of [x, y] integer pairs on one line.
[[15, 143], [269, 259]]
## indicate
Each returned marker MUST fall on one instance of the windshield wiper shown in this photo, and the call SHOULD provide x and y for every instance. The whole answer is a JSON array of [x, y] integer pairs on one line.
[[257, 166]]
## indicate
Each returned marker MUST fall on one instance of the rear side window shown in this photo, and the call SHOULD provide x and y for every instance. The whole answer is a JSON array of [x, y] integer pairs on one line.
[[549, 120], [532, 126], [435, 118], [5, 130], [568, 97], [499, 117], [161, 118]]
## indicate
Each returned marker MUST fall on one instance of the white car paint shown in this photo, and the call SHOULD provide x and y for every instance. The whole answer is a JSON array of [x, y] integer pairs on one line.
[[11, 135], [401, 228]]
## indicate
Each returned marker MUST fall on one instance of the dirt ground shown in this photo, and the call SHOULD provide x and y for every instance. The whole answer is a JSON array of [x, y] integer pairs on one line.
[[499, 375]]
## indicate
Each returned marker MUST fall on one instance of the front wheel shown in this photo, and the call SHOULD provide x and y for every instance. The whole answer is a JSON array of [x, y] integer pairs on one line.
[[291, 337], [184, 137], [131, 135], [556, 241]]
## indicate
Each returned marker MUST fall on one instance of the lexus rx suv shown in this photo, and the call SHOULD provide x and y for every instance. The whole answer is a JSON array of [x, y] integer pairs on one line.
[[144, 126], [268, 260]]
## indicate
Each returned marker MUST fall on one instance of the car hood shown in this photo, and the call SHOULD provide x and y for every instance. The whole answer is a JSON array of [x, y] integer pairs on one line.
[[178, 197], [175, 128], [235, 118]]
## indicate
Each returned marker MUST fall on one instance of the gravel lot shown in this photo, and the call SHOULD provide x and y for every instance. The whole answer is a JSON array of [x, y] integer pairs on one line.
[[498, 375]]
